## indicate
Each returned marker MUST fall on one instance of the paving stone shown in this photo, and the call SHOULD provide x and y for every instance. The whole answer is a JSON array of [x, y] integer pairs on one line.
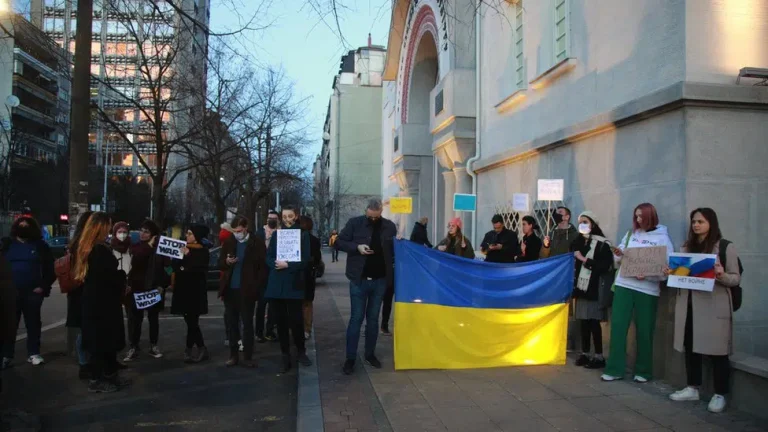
[[554, 408], [578, 422], [593, 405], [625, 420], [531, 424]]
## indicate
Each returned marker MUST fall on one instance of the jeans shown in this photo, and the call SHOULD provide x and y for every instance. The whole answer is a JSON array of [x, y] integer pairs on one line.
[[261, 311], [137, 318], [82, 355], [386, 312], [334, 255], [194, 335], [289, 315], [365, 298], [239, 311], [28, 304]]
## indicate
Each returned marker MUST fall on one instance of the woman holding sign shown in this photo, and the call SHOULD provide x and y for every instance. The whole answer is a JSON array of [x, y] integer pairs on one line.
[[704, 319], [455, 243], [190, 294]]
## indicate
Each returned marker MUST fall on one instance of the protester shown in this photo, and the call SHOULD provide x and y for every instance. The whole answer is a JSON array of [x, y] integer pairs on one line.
[[32, 272], [331, 244], [419, 234], [120, 243], [530, 248], [7, 308], [500, 245], [243, 262], [593, 258], [262, 335], [562, 236], [102, 320], [704, 320], [285, 291], [75, 301], [368, 242], [147, 274], [455, 243], [190, 292], [637, 296], [311, 273]]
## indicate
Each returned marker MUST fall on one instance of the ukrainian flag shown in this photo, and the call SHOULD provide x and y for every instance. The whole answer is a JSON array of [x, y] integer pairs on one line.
[[454, 313]]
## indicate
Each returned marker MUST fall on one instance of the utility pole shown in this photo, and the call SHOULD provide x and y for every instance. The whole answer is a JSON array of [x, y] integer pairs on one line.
[[81, 115]]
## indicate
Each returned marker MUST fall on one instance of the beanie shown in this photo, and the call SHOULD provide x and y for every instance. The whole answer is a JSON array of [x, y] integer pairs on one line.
[[589, 214], [200, 232]]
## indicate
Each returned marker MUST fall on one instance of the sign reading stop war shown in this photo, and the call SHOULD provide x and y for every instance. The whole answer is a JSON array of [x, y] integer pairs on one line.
[[643, 261], [170, 247], [147, 299]]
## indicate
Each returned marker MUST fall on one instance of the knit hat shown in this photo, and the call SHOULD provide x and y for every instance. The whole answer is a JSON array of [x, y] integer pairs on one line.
[[457, 222], [200, 232], [118, 226], [151, 226], [589, 214]]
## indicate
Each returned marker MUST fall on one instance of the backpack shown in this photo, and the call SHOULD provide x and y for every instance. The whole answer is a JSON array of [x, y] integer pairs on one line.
[[65, 275], [735, 291]]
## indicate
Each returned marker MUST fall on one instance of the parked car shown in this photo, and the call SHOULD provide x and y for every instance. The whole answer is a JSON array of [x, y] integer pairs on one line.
[[58, 246], [214, 274]]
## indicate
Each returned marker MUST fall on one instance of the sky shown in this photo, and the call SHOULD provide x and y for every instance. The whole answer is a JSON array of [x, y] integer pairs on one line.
[[308, 49]]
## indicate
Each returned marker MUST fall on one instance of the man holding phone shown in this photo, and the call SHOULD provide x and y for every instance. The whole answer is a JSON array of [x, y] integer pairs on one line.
[[500, 245]]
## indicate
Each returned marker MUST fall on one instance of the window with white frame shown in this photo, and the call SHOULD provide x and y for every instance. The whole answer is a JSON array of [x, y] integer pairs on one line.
[[562, 30], [520, 77]]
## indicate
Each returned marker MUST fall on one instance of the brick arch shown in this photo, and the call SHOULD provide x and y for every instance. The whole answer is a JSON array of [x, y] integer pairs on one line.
[[424, 22]]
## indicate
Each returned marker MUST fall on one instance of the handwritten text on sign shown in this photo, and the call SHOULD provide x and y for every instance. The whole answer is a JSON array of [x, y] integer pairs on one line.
[[550, 190], [643, 261], [170, 247], [147, 299], [289, 245], [520, 202], [401, 205]]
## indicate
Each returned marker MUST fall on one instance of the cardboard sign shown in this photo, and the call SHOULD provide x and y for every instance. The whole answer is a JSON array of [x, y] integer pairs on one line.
[[171, 248], [288, 245], [401, 205], [692, 271], [550, 190], [464, 202], [643, 261], [520, 202], [147, 299]]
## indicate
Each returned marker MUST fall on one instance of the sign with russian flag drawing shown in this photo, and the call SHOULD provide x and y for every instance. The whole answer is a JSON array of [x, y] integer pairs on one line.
[[692, 271]]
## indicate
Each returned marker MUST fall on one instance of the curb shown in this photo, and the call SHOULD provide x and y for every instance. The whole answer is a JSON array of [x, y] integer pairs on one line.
[[309, 412]]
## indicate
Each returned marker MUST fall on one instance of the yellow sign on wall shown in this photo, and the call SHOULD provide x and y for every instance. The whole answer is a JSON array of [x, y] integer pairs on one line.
[[402, 205]]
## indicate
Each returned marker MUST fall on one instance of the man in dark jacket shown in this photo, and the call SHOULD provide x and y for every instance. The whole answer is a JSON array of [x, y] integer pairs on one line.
[[563, 235], [419, 234], [500, 245], [244, 275], [368, 242], [7, 307]]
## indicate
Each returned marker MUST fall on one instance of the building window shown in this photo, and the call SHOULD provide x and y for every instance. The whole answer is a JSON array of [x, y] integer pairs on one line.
[[562, 30], [519, 51]]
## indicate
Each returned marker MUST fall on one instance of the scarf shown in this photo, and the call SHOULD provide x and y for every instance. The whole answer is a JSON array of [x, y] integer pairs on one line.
[[120, 246], [585, 274]]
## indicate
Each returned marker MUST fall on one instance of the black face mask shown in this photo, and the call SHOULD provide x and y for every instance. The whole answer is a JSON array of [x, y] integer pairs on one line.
[[26, 232], [272, 223], [557, 217]]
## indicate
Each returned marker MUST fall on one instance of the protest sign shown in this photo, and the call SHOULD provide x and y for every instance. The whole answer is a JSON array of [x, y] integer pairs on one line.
[[147, 299], [643, 261], [464, 202], [520, 202], [289, 245], [692, 271], [170, 247], [401, 205], [550, 190]]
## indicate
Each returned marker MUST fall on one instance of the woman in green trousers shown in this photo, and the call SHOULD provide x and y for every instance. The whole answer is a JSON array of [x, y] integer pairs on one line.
[[639, 295]]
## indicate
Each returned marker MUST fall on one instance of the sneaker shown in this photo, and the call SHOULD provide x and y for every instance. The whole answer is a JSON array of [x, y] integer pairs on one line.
[[260, 339], [641, 380], [271, 337], [583, 360], [154, 351], [373, 361], [101, 386], [202, 355], [240, 346], [686, 394], [85, 372], [307, 335], [7, 362], [35, 360], [385, 331], [609, 378], [226, 342], [286, 364], [233, 361], [349, 367], [595, 363], [716, 404], [132, 355], [188, 355], [118, 381], [304, 360]]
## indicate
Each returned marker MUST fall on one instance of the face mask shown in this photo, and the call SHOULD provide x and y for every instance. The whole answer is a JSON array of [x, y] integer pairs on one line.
[[122, 236], [240, 236], [26, 232], [585, 229], [272, 223], [557, 217]]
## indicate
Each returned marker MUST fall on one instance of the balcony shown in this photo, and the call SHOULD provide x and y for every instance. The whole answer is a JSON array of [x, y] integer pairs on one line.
[[35, 89], [35, 116]]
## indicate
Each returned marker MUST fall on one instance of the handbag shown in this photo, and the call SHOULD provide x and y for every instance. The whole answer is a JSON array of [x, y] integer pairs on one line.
[[616, 273], [63, 269], [605, 289], [736, 292]]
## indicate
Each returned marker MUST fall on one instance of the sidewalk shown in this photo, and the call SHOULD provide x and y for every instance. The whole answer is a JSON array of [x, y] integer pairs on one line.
[[531, 399]]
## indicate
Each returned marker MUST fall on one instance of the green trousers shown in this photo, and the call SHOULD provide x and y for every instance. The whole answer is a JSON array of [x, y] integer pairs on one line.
[[644, 306]]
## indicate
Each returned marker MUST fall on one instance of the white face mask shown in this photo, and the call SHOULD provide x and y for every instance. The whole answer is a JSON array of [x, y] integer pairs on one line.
[[122, 236], [240, 236], [585, 228]]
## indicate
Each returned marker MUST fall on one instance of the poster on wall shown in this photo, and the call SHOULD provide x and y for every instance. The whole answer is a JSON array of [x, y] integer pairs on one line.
[[692, 271]]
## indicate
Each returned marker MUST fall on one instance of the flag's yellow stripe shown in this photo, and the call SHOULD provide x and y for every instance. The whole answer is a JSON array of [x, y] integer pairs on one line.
[[431, 336]]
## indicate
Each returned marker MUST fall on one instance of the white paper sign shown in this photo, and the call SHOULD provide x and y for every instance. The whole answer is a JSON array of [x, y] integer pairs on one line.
[[289, 245], [170, 247], [147, 299], [520, 202], [551, 190]]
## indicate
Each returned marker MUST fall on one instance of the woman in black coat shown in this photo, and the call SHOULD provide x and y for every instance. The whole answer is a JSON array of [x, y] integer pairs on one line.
[[531, 246], [102, 320], [315, 250], [190, 291]]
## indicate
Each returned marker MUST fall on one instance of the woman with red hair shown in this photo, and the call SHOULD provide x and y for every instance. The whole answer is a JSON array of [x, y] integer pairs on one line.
[[455, 242], [638, 295]]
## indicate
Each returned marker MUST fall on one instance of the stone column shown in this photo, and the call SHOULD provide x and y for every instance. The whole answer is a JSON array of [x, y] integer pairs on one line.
[[450, 188]]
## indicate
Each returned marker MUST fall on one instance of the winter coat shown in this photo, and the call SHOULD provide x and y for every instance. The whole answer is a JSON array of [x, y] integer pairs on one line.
[[288, 283], [147, 269], [315, 250], [46, 262], [532, 248], [560, 242], [453, 247], [253, 277], [510, 248], [102, 323], [419, 235], [358, 231], [638, 239], [8, 295], [190, 289], [600, 263], [712, 311]]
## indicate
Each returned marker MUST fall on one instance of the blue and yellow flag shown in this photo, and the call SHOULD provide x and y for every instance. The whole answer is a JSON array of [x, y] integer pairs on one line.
[[454, 313]]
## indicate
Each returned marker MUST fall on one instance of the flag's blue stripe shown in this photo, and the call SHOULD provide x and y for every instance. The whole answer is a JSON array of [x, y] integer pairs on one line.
[[433, 277]]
